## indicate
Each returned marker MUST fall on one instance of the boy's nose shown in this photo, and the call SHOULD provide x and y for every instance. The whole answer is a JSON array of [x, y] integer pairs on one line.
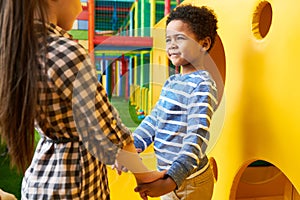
[[173, 44]]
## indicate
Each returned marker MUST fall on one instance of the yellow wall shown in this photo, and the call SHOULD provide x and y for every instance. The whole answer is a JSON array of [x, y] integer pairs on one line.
[[261, 94]]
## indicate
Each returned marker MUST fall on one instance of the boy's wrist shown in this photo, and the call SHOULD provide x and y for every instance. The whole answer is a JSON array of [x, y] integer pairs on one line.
[[170, 182], [177, 172]]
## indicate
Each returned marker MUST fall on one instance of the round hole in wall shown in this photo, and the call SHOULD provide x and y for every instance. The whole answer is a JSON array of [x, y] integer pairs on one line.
[[260, 179], [262, 20]]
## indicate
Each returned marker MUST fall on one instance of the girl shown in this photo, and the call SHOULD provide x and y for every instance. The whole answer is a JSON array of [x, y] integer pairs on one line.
[[47, 82]]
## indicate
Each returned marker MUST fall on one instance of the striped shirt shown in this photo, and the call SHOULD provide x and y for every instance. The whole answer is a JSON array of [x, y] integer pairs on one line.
[[81, 131], [178, 124]]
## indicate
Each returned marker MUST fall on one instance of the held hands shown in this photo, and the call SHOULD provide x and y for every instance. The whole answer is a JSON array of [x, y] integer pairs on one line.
[[129, 158], [148, 177], [141, 177], [157, 188]]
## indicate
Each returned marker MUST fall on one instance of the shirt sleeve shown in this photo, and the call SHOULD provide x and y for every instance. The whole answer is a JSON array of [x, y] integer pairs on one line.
[[145, 132], [96, 120], [200, 108]]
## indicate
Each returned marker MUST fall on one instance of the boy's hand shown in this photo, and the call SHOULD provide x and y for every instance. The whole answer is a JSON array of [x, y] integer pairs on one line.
[[156, 188]]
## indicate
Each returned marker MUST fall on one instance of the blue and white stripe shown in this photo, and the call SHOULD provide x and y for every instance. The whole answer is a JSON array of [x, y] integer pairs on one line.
[[178, 125]]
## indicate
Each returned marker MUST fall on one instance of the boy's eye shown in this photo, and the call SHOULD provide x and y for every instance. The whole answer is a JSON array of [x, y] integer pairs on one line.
[[180, 38], [168, 40]]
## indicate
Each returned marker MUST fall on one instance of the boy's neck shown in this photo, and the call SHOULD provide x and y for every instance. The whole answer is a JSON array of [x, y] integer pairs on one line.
[[187, 69]]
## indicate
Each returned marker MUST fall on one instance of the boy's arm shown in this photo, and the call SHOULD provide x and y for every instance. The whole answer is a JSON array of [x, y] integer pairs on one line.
[[145, 132], [143, 137]]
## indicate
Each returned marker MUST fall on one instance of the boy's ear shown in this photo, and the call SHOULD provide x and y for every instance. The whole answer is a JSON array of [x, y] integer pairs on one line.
[[205, 43]]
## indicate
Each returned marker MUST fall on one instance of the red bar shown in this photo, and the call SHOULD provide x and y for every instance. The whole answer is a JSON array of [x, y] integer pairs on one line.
[[84, 15], [123, 41], [91, 28], [167, 7], [111, 8]]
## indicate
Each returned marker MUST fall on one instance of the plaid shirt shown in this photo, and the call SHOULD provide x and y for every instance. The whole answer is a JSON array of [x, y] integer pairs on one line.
[[81, 131]]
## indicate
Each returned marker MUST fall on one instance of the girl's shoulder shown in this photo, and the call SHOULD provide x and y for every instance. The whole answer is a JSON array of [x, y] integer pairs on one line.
[[60, 39], [62, 47]]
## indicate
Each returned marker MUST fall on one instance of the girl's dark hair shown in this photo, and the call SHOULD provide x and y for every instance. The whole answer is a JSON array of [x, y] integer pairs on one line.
[[20, 43], [201, 20]]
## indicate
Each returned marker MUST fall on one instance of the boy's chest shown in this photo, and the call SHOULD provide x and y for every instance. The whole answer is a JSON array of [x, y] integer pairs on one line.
[[173, 100]]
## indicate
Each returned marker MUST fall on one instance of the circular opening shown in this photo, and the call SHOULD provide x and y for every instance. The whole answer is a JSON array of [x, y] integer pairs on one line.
[[259, 172], [262, 20], [261, 180]]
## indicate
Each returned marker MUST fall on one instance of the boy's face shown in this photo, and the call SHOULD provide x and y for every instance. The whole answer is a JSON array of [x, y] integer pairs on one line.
[[181, 45]]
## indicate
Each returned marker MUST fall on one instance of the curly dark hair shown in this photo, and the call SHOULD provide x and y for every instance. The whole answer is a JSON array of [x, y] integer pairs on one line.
[[201, 20]]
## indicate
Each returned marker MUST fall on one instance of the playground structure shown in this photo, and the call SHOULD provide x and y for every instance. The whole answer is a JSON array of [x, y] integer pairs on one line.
[[118, 36], [256, 156]]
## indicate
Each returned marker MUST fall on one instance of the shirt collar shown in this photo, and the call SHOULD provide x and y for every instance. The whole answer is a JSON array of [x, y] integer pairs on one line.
[[58, 30]]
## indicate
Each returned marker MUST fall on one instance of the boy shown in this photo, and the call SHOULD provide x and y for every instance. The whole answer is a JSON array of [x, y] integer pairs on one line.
[[178, 125]]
